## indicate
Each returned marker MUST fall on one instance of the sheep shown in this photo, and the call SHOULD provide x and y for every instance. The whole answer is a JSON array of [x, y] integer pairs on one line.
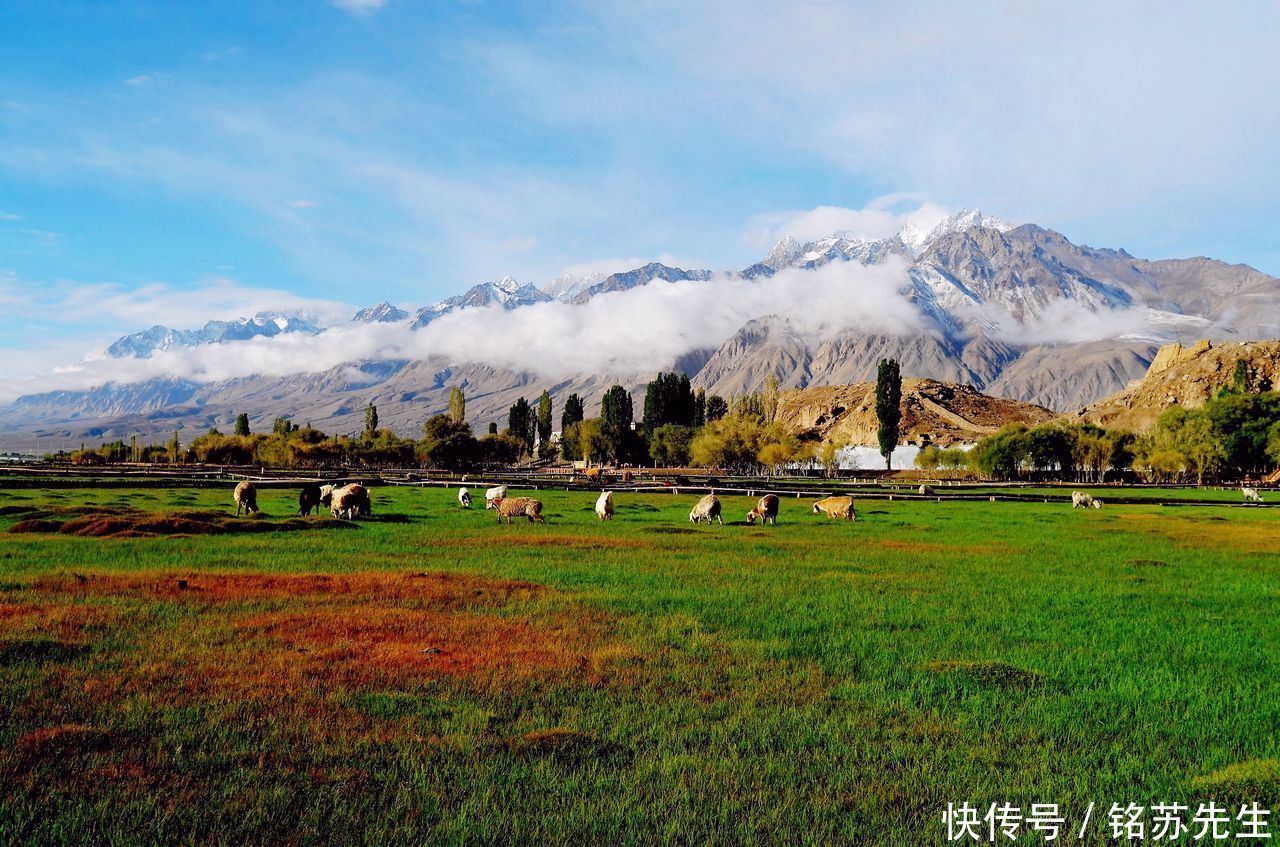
[[1080, 500], [707, 509], [493, 495], [604, 506], [246, 498], [927, 491], [836, 507], [464, 498], [509, 507], [766, 511], [309, 498], [350, 502], [1251, 495]]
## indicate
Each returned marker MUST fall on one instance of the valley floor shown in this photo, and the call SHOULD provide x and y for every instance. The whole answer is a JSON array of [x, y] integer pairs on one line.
[[433, 677]]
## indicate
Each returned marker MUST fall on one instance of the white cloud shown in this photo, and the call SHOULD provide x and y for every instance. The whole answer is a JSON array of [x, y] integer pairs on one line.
[[359, 7], [663, 321], [301, 203], [143, 80], [10, 216]]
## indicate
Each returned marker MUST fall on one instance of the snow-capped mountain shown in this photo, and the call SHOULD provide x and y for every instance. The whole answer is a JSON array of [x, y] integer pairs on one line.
[[568, 286], [651, 272], [506, 292], [383, 313], [997, 303], [262, 325]]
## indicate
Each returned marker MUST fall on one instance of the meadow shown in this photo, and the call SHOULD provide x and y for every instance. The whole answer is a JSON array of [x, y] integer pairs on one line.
[[432, 677]]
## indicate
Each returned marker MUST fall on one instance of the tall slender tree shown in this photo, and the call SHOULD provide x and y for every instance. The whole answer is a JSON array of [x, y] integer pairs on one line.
[[520, 422], [575, 411], [457, 405], [544, 418], [242, 424], [888, 407], [616, 416], [700, 408], [370, 422]]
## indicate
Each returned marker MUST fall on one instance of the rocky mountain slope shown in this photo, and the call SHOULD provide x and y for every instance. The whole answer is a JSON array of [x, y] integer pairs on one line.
[[1185, 376], [933, 412]]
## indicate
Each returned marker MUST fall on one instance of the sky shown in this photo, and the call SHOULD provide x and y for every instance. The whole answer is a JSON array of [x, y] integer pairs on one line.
[[171, 162]]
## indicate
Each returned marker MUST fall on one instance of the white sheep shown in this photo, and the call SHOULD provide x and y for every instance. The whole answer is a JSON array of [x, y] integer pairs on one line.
[[1080, 500], [496, 493], [707, 509], [1251, 494], [246, 497], [926, 491], [464, 498], [604, 506]]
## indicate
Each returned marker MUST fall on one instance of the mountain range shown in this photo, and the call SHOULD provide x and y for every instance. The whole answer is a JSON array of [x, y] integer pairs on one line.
[[1017, 311]]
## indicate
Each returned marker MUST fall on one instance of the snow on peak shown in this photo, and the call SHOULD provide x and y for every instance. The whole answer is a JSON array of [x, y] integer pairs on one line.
[[918, 239]]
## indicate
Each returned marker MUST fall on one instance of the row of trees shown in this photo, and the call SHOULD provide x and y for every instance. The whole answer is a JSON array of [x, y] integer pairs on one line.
[[679, 426], [1236, 434]]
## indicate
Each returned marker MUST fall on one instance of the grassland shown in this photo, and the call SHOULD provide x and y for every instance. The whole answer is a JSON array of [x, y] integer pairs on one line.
[[432, 677]]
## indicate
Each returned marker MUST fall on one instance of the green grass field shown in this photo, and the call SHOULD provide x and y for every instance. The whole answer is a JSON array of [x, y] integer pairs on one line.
[[433, 677]]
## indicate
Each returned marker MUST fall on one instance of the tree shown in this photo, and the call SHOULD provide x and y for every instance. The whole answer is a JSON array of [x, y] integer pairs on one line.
[[769, 400], [888, 407], [700, 408], [571, 441], [1273, 443], [457, 405], [544, 419], [242, 424], [668, 400], [1190, 432], [717, 408], [282, 427], [370, 422], [669, 445], [615, 421], [574, 411], [520, 423], [500, 449], [175, 448], [829, 455], [447, 443], [593, 445]]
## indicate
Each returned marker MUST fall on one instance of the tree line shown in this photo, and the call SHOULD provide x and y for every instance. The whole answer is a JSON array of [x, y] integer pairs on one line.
[[679, 426], [1235, 435]]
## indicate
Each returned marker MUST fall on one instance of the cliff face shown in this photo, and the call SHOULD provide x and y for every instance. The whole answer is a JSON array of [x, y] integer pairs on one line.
[[933, 412], [1186, 376]]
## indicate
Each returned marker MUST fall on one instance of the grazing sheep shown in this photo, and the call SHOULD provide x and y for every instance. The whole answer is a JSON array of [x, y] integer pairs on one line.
[[1080, 500], [514, 507], [1251, 495], [309, 498], [708, 509], [493, 495], [766, 511], [246, 498], [464, 498], [350, 501], [927, 491], [836, 507], [604, 506]]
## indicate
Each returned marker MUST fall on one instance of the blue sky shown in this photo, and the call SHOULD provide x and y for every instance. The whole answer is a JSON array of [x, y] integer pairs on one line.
[[170, 161]]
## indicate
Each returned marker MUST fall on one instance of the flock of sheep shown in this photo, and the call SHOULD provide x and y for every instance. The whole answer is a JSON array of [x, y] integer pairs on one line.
[[352, 501]]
